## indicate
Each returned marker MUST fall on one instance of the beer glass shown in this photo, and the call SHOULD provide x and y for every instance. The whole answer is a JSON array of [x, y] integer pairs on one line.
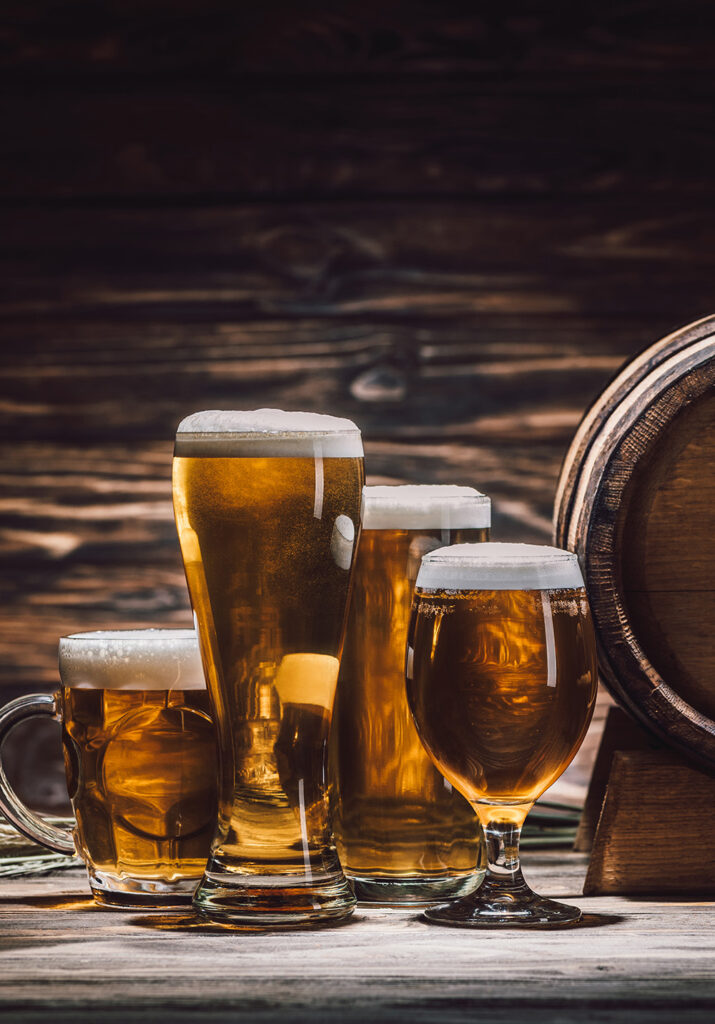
[[267, 508], [501, 679], [404, 835], [140, 759]]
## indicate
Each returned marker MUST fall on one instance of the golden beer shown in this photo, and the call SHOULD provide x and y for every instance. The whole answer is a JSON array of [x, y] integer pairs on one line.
[[501, 679], [267, 510], [140, 757], [404, 834]]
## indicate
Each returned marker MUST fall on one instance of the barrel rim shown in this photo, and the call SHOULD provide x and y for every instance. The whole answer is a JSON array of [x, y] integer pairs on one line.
[[619, 387], [648, 390], [591, 529]]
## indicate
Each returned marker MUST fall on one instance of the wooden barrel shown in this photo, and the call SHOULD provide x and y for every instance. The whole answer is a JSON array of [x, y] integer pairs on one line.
[[636, 501]]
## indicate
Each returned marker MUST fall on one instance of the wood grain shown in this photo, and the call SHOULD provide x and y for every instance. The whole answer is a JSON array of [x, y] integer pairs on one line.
[[620, 733], [429, 260], [339, 139], [669, 555], [218, 37], [649, 959], [616, 392], [639, 516], [651, 795]]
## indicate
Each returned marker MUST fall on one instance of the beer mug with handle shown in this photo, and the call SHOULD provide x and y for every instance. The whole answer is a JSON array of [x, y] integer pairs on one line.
[[267, 507], [140, 759]]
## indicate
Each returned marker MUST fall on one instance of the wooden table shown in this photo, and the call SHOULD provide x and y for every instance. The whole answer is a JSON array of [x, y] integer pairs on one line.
[[65, 960]]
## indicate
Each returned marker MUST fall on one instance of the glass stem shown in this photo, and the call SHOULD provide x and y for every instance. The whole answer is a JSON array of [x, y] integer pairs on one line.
[[503, 879]]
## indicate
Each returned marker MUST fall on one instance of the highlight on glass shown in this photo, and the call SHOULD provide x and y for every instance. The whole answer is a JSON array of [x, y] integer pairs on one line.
[[404, 835], [267, 507], [501, 679]]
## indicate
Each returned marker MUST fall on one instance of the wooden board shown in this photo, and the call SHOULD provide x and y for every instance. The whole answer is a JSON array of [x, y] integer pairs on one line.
[[441, 261], [384, 138], [669, 555], [656, 832], [135, 38], [620, 733], [62, 957]]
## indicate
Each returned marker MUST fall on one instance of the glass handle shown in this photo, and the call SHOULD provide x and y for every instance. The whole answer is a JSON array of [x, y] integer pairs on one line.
[[60, 840]]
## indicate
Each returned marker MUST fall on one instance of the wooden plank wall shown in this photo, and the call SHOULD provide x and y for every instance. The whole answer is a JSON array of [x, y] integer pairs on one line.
[[450, 221]]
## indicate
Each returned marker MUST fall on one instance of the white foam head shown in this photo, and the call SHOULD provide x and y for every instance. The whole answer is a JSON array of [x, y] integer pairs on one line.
[[424, 507], [494, 566], [266, 433], [132, 659]]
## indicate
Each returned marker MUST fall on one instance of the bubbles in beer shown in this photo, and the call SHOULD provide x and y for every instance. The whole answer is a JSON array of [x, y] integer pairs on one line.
[[498, 566]]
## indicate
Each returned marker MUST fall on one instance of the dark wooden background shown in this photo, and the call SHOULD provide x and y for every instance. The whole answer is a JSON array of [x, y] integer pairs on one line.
[[451, 221]]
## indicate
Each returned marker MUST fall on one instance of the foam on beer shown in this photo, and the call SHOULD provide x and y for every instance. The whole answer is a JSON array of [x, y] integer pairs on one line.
[[132, 659], [495, 566], [424, 507], [266, 433]]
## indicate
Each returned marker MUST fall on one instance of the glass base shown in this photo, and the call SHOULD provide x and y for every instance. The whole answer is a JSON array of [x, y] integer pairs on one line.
[[381, 891], [273, 901], [140, 894], [490, 910]]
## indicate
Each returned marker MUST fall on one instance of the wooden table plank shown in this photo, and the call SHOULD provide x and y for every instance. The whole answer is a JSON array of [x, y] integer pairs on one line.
[[644, 958], [267, 137], [136, 39], [444, 260]]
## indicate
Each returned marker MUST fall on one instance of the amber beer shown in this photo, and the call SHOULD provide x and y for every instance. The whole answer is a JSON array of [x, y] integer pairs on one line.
[[140, 756], [267, 508], [404, 834], [501, 679], [501, 668]]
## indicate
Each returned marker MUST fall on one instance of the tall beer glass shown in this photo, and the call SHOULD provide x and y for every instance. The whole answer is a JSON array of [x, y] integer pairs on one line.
[[404, 835], [501, 679], [267, 508]]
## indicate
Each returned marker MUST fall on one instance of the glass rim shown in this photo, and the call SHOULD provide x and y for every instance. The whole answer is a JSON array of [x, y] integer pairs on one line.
[[177, 633], [424, 506], [494, 565]]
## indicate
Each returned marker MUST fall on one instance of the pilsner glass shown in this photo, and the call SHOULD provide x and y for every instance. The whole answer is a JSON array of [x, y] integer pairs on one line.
[[404, 835], [501, 679], [267, 506]]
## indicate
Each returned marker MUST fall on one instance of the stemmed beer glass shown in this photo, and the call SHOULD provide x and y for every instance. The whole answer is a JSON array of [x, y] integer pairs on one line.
[[501, 680]]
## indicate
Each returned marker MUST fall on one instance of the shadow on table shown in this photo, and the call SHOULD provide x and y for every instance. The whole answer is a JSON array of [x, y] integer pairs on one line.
[[192, 922], [587, 921], [70, 902]]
